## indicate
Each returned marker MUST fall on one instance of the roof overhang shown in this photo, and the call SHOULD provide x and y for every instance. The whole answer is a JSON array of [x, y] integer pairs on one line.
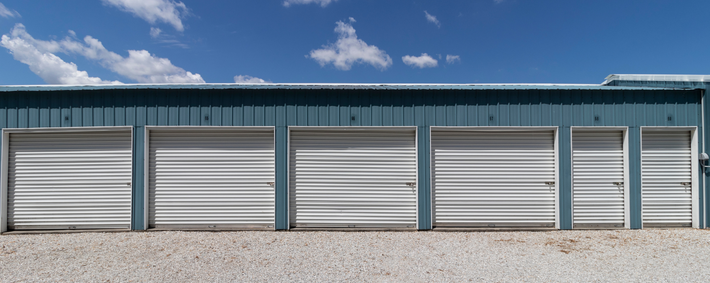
[[315, 86], [656, 78]]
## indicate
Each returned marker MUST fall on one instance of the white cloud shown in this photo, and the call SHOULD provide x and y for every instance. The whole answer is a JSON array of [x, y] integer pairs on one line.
[[167, 11], [155, 32], [240, 79], [174, 43], [7, 13], [452, 58], [140, 65], [349, 50], [322, 3], [144, 67], [49, 67], [423, 61], [432, 19]]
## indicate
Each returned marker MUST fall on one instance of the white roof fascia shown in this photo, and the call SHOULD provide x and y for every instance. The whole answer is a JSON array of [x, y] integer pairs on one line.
[[656, 78]]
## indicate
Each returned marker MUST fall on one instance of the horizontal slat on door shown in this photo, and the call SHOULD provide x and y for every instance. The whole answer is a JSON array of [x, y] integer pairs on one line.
[[666, 164], [211, 179], [353, 178], [493, 179], [598, 176], [69, 180]]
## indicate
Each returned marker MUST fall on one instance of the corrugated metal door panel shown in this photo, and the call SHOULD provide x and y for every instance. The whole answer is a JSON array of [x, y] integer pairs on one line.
[[353, 178], [598, 178], [493, 179], [211, 179], [666, 178], [69, 180]]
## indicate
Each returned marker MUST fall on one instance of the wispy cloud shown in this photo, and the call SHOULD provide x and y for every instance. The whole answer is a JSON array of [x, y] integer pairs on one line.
[[242, 79], [155, 32], [423, 61], [452, 58], [166, 39], [7, 13], [322, 3], [140, 65], [432, 19], [349, 49], [152, 11]]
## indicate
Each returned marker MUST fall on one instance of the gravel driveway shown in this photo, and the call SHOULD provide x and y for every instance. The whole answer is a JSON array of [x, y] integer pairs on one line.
[[639, 255]]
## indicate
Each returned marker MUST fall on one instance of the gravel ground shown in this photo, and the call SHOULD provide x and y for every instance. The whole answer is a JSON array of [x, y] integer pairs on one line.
[[639, 255]]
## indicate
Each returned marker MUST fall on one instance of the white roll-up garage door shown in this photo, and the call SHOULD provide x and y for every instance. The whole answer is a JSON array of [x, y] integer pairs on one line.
[[69, 180], [598, 178], [493, 178], [211, 179], [353, 178], [666, 178]]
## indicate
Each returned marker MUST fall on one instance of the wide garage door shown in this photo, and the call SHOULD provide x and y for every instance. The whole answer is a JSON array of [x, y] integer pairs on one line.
[[493, 178], [598, 178], [69, 180], [211, 179], [666, 178], [353, 178]]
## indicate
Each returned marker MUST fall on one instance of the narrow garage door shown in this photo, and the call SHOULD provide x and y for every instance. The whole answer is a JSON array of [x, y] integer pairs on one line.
[[493, 178], [69, 180], [353, 178], [211, 179], [598, 178], [666, 178]]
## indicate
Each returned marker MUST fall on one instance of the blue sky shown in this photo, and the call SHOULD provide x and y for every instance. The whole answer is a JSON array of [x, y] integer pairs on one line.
[[348, 41]]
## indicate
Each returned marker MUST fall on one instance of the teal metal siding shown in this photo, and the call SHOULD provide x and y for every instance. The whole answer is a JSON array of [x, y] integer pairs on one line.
[[698, 86], [565, 171], [349, 108], [423, 107], [424, 178], [281, 186], [138, 201], [635, 201]]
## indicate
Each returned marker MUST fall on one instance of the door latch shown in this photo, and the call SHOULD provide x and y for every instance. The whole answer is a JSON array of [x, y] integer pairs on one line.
[[550, 183], [618, 183], [687, 184], [271, 183], [411, 184]]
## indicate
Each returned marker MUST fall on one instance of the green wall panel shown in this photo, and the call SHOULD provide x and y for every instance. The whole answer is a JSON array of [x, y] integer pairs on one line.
[[423, 107]]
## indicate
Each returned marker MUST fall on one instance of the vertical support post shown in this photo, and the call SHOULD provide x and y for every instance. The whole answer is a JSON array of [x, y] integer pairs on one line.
[[565, 171], [138, 199], [705, 138], [424, 178], [635, 201], [4, 156], [281, 186]]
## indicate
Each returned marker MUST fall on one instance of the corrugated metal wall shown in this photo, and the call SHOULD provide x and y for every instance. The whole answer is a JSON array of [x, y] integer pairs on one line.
[[361, 107], [705, 136]]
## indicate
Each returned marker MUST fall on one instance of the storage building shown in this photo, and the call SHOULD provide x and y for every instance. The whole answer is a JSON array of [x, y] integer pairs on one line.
[[625, 154]]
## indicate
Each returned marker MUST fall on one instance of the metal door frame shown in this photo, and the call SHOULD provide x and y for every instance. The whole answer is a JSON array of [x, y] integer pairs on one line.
[[554, 129], [352, 128], [146, 159], [4, 163], [694, 193], [625, 144]]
